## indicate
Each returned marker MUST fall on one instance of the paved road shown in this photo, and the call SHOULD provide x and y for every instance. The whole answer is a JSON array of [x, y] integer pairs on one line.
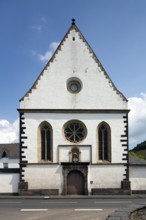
[[62, 209]]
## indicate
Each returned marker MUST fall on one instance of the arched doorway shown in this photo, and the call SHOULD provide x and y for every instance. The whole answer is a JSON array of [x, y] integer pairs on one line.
[[75, 183]]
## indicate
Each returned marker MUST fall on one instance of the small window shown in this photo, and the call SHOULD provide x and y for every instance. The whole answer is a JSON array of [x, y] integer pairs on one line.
[[5, 165], [74, 85]]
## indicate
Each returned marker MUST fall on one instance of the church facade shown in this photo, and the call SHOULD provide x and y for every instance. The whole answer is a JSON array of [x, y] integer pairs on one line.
[[73, 126]]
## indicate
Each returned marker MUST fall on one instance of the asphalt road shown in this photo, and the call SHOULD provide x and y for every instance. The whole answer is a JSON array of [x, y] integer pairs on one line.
[[62, 209]]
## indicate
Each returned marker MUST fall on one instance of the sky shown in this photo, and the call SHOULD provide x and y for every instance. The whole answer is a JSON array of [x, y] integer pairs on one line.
[[31, 31]]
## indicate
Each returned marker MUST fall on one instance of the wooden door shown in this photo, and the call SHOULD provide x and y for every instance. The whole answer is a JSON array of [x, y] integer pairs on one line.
[[75, 183]]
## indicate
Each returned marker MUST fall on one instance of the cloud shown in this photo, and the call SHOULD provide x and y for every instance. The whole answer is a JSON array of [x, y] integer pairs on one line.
[[34, 53], [9, 132], [47, 55], [40, 26], [43, 19], [37, 27], [137, 119]]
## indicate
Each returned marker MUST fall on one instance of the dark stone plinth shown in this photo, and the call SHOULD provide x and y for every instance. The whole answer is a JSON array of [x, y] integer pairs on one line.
[[125, 185], [24, 191], [138, 191], [23, 186], [40, 192], [110, 191]]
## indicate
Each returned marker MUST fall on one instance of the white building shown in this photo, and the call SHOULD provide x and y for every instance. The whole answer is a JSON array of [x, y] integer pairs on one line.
[[9, 168], [137, 171], [74, 126]]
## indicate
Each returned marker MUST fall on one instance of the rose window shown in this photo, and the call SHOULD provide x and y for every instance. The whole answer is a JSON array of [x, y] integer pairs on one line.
[[75, 131]]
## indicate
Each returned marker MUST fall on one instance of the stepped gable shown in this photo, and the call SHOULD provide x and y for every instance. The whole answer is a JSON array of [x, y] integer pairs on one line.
[[59, 48]]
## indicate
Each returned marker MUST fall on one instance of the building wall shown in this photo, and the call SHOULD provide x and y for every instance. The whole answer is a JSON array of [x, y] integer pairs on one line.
[[138, 177], [57, 121], [50, 175], [74, 59], [9, 182], [12, 163], [64, 153], [9, 177], [44, 177], [105, 176]]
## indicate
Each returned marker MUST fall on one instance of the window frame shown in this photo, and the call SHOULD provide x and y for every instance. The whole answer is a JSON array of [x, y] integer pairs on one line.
[[104, 143], [48, 147], [74, 81], [70, 123]]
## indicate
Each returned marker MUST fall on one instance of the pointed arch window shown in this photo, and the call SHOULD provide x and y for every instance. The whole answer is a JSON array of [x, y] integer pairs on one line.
[[104, 142], [45, 141]]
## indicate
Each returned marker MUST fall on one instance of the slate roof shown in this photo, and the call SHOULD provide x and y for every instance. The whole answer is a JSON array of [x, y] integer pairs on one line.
[[9, 150], [136, 161]]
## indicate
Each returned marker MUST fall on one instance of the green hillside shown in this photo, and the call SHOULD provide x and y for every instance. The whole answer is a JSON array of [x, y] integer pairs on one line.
[[139, 151]]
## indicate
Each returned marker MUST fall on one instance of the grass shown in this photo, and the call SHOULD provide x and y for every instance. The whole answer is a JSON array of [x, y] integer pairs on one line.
[[139, 154]]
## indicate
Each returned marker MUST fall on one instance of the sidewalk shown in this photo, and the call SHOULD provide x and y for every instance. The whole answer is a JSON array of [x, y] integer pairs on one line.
[[133, 196]]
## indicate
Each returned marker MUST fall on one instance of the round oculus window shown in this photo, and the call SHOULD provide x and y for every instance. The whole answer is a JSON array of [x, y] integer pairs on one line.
[[75, 131], [74, 86]]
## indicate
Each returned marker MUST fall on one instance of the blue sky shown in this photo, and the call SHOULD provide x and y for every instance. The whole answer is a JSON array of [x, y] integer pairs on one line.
[[115, 29]]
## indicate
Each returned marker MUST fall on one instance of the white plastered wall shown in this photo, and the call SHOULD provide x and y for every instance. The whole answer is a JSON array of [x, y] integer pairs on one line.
[[12, 163], [73, 60], [50, 176], [65, 153], [57, 121], [9, 183], [105, 176], [44, 177], [138, 177]]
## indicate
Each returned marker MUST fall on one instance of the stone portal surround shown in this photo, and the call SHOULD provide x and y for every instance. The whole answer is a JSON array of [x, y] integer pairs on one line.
[[68, 167]]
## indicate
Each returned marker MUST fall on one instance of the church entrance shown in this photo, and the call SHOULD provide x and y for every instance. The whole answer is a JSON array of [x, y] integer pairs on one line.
[[75, 178], [75, 183]]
